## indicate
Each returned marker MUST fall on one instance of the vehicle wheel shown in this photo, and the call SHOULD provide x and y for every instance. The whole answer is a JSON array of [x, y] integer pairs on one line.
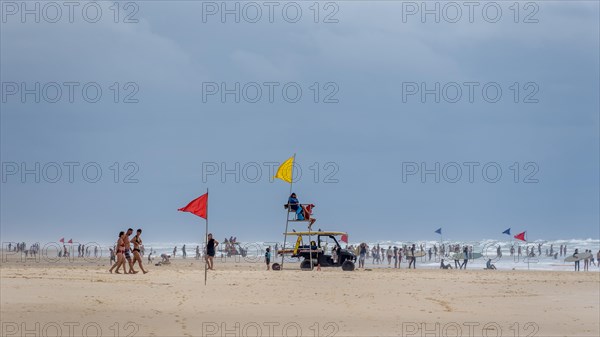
[[348, 265], [305, 265], [276, 266]]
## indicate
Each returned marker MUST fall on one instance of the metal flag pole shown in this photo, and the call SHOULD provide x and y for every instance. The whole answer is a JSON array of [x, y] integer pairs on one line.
[[206, 241], [287, 217]]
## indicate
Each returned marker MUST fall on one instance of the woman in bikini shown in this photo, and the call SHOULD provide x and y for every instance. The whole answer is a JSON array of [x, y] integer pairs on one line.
[[120, 250], [137, 254]]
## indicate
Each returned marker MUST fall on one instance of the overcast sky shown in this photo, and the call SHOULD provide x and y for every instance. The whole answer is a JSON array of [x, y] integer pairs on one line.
[[372, 67]]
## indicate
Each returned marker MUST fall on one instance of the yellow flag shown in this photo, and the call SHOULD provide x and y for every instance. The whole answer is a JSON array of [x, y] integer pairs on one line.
[[284, 172]]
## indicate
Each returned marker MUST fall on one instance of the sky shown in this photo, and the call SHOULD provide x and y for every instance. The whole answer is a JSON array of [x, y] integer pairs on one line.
[[400, 124]]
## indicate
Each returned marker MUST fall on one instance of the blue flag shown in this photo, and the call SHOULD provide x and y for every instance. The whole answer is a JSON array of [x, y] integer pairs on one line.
[[439, 231], [507, 232]]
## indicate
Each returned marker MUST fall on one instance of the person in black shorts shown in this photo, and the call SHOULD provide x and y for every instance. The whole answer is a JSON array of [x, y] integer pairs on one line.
[[211, 248], [413, 259], [137, 253], [268, 258]]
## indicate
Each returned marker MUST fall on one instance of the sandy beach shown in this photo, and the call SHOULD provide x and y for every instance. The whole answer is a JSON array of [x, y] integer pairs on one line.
[[242, 299]]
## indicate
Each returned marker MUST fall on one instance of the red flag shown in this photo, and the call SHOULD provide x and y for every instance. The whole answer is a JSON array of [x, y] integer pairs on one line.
[[62, 240], [344, 238], [520, 236], [70, 241], [197, 206]]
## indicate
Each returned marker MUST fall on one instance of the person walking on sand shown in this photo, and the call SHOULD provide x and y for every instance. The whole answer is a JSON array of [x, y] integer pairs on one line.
[[137, 253], [197, 252], [174, 251], [211, 247], [268, 258], [128, 250], [363, 255], [183, 252], [413, 259], [120, 247]]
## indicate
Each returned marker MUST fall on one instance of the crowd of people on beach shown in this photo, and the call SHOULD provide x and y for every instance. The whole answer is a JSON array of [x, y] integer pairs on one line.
[[378, 254], [124, 256], [21, 247]]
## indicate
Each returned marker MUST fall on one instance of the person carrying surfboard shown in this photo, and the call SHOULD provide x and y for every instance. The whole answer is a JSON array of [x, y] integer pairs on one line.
[[577, 261], [465, 257], [413, 259]]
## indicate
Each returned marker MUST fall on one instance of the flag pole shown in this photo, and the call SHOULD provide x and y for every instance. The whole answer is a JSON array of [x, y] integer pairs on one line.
[[206, 241], [287, 215]]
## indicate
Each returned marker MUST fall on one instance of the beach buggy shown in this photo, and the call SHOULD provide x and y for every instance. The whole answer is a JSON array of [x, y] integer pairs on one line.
[[313, 244]]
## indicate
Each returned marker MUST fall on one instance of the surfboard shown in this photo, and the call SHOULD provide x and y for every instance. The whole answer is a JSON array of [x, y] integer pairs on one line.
[[417, 253], [472, 256], [578, 257], [315, 233]]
